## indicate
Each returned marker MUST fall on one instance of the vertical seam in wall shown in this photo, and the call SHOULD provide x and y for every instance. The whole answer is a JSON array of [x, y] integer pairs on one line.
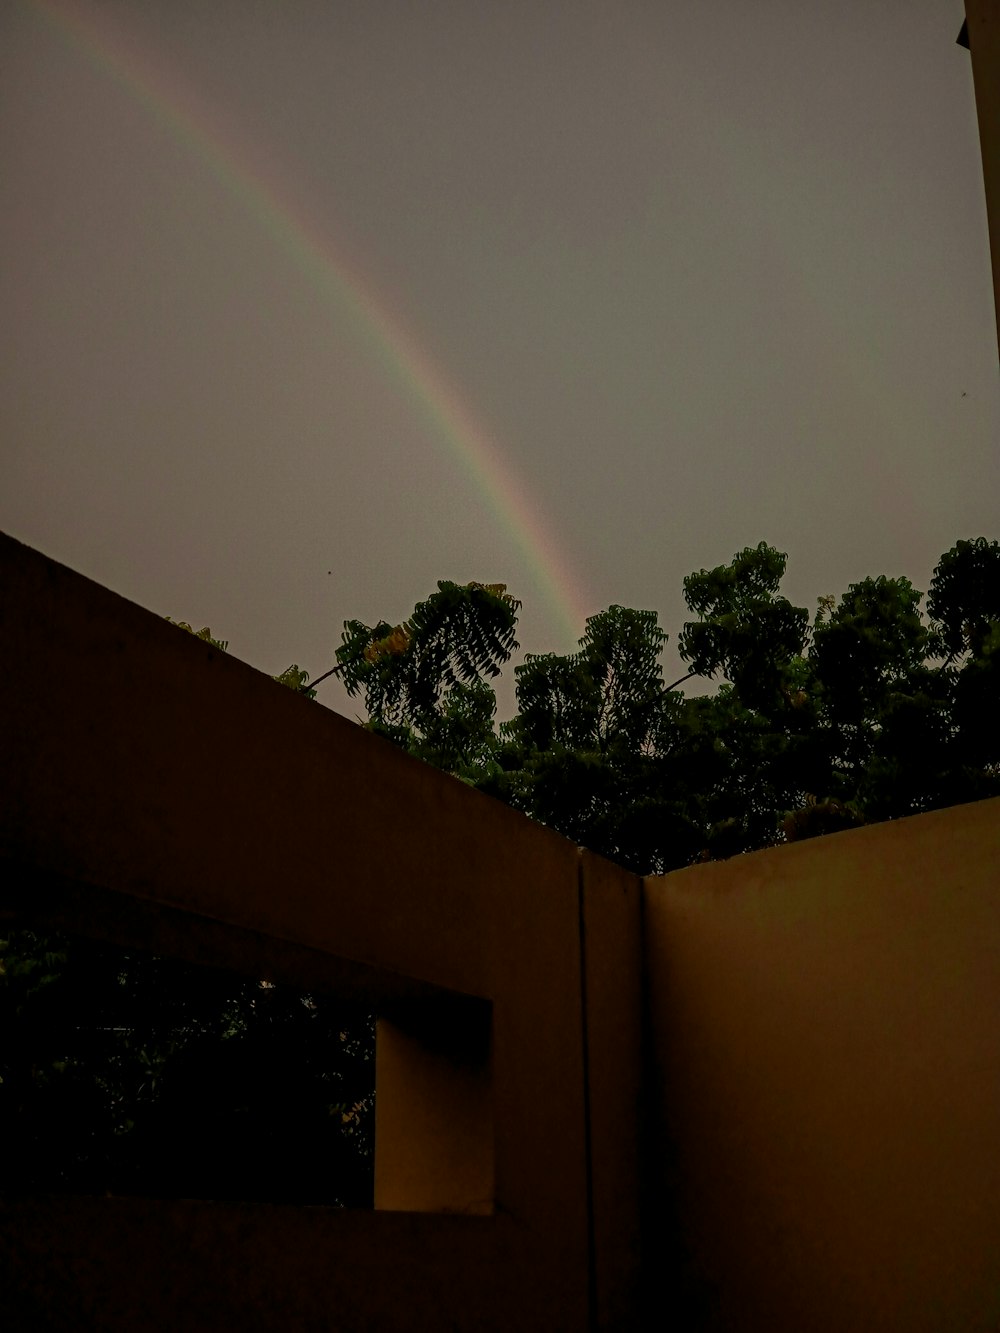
[[587, 1137], [647, 1084]]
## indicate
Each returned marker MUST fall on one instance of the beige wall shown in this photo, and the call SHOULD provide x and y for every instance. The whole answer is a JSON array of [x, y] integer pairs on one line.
[[764, 1091], [984, 43], [823, 1032]]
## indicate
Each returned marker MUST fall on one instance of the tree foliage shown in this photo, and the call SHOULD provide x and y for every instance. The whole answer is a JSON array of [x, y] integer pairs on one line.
[[293, 676], [745, 631], [122, 1072], [865, 710], [424, 682]]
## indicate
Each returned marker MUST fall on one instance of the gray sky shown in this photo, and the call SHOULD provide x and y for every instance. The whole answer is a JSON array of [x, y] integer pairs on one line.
[[578, 297]]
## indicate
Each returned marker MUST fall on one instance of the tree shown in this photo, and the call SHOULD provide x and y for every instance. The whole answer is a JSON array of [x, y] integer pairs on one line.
[[293, 676], [424, 681], [863, 711], [122, 1072], [745, 631], [964, 604]]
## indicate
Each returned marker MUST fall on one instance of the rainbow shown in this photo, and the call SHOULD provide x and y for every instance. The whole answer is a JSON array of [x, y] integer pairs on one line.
[[246, 176]]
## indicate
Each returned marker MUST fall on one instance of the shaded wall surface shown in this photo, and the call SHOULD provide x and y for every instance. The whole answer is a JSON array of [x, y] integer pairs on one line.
[[760, 1094], [158, 792], [825, 1038]]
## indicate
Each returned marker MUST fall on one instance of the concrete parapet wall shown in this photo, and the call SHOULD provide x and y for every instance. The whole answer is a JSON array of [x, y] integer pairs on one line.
[[761, 1094], [157, 791], [823, 1035]]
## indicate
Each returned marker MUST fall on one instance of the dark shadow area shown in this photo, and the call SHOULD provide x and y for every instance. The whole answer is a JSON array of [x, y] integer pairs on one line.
[[123, 1072]]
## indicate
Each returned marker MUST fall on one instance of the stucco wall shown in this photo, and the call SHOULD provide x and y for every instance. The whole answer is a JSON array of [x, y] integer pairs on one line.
[[158, 792], [815, 1144], [824, 1039]]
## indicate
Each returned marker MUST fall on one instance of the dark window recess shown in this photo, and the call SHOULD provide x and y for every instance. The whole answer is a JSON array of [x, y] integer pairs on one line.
[[126, 1073]]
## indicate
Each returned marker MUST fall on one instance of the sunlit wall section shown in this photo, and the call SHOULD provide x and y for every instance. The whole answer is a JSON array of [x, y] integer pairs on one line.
[[826, 1081]]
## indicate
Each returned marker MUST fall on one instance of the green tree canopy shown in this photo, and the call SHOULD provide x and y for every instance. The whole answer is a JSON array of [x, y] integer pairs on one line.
[[866, 710]]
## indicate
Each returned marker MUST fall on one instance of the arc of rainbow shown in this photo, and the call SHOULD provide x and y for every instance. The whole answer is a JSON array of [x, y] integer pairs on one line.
[[313, 254]]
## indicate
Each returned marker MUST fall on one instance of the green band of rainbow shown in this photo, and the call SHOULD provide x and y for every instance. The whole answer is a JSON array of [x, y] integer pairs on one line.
[[303, 244]]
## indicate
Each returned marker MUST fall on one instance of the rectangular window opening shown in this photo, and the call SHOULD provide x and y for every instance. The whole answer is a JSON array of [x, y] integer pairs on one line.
[[126, 1073]]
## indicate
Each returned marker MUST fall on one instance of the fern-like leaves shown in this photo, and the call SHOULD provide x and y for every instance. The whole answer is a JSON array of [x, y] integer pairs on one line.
[[461, 634]]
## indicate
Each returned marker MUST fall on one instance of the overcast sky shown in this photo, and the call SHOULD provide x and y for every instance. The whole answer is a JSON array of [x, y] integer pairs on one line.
[[305, 306]]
